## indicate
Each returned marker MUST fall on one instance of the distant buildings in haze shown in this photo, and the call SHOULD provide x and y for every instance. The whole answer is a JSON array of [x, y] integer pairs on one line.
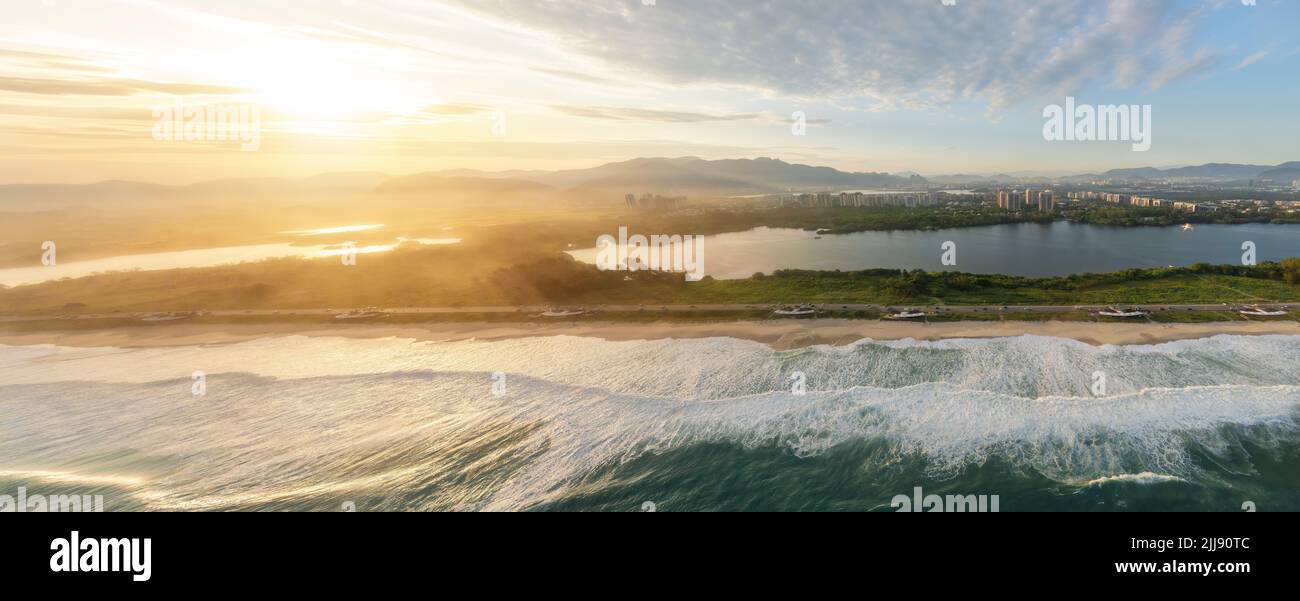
[[1131, 200], [860, 199], [654, 202]]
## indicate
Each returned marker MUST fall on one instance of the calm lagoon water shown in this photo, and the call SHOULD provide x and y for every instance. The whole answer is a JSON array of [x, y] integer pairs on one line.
[[201, 257], [1034, 250]]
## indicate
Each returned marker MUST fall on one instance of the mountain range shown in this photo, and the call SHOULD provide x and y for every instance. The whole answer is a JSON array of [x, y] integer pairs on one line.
[[696, 175], [1215, 172], [669, 176], [1221, 171]]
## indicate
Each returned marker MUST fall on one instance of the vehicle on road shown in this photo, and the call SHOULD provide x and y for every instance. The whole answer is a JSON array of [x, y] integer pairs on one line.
[[1120, 312], [564, 312], [366, 313], [1257, 311], [908, 313], [804, 310]]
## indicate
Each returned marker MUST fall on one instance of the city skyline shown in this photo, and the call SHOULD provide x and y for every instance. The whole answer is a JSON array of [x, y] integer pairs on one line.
[[404, 87]]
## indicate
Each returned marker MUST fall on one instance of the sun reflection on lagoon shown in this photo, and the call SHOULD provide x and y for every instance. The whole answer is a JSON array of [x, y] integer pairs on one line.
[[343, 229]]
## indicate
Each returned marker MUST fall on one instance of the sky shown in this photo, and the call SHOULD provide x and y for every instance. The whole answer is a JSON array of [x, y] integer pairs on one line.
[[405, 86]]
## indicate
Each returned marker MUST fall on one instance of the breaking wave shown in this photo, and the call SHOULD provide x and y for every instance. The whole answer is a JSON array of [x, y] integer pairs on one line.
[[581, 423]]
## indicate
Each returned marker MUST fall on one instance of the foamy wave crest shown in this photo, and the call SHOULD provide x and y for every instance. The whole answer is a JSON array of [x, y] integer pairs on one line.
[[706, 369], [1142, 478], [442, 440]]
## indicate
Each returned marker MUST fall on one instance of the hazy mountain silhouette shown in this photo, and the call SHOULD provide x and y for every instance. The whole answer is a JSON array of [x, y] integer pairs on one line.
[[687, 175], [690, 176], [1221, 171]]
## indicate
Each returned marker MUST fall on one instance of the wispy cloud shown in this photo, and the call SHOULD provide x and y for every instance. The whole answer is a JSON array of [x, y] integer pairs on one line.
[[573, 75], [1201, 62], [639, 114], [107, 87], [893, 54], [1249, 60], [6, 53], [456, 109]]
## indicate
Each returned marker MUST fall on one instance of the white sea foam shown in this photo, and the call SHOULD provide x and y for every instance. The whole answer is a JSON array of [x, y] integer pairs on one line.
[[1142, 478], [293, 416], [704, 369]]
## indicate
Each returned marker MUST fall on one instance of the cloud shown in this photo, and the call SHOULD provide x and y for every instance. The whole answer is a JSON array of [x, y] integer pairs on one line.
[[63, 133], [456, 109], [1179, 69], [142, 113], [78, 112], [107, 87], [889, 54], [635, 114], [43, 60], [8, 53], [58, 87], [573, 75], [1246, 62]]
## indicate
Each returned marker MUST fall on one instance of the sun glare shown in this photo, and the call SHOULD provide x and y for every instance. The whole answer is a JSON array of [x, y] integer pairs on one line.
[[318, 92]]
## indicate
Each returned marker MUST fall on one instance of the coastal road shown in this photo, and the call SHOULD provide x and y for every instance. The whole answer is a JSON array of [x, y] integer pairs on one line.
[[537, 309]]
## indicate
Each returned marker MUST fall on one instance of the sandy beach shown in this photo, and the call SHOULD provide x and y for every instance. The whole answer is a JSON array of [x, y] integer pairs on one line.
[[783, 334]]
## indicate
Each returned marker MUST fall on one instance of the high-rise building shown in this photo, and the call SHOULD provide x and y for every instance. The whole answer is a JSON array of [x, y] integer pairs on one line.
[[1045, 201], [1011, 200]]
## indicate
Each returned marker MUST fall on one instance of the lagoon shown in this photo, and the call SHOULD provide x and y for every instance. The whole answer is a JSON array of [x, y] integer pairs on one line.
[[1024, 249], [202, 257]]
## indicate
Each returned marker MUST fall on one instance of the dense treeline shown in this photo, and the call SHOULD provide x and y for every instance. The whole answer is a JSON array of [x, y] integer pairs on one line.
[[918, 283], [565, 281], [833, 220], [1163, 216], [847, 220]]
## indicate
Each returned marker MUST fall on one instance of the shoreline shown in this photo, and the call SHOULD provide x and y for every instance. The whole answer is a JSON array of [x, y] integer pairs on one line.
[[781, 335]]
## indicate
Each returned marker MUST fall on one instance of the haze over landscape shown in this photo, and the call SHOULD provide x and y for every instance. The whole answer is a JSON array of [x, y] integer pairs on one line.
[[622, 255]]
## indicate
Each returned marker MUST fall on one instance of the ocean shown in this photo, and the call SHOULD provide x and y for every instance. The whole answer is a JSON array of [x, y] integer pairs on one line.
[[717, 424]]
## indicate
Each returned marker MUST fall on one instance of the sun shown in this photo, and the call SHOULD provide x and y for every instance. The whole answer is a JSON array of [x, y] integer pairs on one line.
[[312, 92]]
